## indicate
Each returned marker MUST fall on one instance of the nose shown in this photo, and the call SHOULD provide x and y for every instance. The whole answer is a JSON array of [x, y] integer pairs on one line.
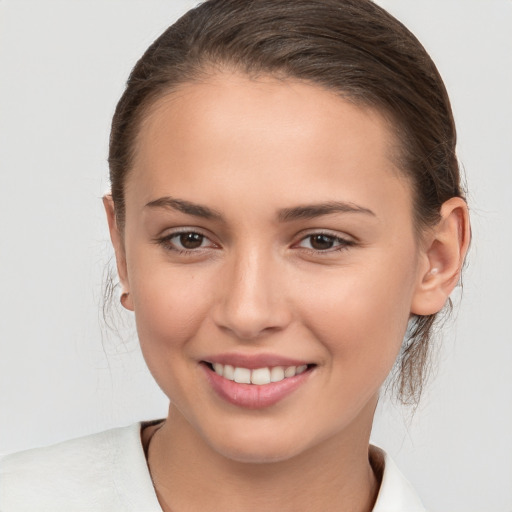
[[252, 301]]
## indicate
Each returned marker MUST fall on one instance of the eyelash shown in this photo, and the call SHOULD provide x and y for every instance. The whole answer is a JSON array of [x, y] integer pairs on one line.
[[167, 243], [343, 243]]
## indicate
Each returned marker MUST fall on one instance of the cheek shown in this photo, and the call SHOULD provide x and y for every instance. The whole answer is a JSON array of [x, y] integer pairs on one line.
[[170, 306], [360, 316]]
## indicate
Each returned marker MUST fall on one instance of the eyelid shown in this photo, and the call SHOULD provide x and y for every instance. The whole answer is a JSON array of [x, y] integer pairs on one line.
[[327, 232], [165, 239], [344, 241]]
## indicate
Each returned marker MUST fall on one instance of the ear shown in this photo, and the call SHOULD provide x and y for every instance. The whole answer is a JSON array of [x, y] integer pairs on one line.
[[442, 258], [117, 242]]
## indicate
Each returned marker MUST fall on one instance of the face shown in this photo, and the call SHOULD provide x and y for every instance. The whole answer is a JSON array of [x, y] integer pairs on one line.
[[268, 237]]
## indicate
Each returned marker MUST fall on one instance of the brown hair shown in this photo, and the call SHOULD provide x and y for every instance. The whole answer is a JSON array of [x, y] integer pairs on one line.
[[352, 47]]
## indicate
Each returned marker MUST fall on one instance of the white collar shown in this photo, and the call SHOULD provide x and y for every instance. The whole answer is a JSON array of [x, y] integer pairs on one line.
[[111, 467], [396, 494]]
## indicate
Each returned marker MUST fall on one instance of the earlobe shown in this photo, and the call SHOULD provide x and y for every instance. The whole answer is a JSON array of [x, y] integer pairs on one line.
[[442, 258], [117, 242]]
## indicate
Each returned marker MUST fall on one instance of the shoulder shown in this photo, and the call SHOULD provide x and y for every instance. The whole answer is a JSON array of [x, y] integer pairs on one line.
[[104, 471], [396, 494]]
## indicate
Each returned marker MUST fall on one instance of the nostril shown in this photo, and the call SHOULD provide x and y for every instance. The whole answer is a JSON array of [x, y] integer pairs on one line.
[[250, 309]]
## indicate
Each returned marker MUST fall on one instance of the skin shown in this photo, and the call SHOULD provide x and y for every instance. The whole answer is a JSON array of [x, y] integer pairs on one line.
[[249, 150]]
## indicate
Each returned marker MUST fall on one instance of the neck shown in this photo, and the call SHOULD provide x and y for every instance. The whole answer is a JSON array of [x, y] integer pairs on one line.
[[188, 474]]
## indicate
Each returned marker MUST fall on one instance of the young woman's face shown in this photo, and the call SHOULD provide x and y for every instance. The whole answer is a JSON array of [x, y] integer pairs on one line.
[[269, 235]]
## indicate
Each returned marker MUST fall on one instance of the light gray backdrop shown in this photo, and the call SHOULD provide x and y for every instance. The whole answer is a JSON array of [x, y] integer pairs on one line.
[[62, 69]]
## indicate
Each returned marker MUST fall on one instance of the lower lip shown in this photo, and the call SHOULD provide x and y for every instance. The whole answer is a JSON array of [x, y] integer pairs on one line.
[[252, 396]]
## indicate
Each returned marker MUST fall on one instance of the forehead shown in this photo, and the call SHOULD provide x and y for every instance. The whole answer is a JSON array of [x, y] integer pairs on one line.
[[235, 132]]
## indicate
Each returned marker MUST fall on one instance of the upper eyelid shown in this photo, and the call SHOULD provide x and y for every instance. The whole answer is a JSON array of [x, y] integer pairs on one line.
[[339, 239], [170, 232], [167, 237], [343, 237], [327, 232], [342, 242]]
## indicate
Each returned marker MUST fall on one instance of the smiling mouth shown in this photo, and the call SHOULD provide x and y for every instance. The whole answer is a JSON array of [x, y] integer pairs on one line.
[[257, 376], [256, 387]]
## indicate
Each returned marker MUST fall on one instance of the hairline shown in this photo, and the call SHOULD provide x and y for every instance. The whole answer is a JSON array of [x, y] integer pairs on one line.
[[207, 72]]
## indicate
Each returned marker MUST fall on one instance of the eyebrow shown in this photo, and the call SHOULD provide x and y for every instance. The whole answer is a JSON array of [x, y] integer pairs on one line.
[[311, 211], [186, 207]]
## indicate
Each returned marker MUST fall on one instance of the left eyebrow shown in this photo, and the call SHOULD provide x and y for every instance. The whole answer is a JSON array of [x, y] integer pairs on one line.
[[186, 207], [311, 211]]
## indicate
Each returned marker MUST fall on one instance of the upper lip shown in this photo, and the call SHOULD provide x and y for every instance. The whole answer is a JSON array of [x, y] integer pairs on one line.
[[253, 361]]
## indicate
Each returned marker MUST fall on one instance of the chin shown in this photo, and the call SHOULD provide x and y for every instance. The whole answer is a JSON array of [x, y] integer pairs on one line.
[[257, 444], [257, 453]]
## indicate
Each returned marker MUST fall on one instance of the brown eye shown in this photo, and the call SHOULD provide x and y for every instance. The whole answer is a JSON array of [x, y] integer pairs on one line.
[[322, 242], [191, 240], [186, 243]]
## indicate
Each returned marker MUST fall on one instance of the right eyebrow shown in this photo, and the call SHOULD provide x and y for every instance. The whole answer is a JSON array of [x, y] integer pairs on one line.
[[311, 211], [184, 206]]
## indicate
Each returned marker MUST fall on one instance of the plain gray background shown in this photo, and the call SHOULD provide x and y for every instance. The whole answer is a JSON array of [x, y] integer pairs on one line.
[[62, 69]]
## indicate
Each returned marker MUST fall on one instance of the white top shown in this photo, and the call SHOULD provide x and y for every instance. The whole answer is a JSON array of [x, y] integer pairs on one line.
[[108, 472]]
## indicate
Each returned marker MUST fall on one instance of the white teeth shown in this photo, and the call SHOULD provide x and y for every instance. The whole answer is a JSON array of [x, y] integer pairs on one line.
[[219, 369], [276, 374], [301, 369], [228, 373], [290, 371], [258, 376], [242, 375]]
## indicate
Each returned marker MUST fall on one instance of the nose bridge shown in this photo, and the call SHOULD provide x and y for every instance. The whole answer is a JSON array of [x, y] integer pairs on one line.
[[252, 300]]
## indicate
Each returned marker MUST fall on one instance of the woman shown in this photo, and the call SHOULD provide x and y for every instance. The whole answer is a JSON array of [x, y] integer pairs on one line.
[[286, 208]]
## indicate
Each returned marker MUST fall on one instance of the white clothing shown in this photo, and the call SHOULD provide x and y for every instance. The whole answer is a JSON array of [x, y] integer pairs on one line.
[[108, 472]]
